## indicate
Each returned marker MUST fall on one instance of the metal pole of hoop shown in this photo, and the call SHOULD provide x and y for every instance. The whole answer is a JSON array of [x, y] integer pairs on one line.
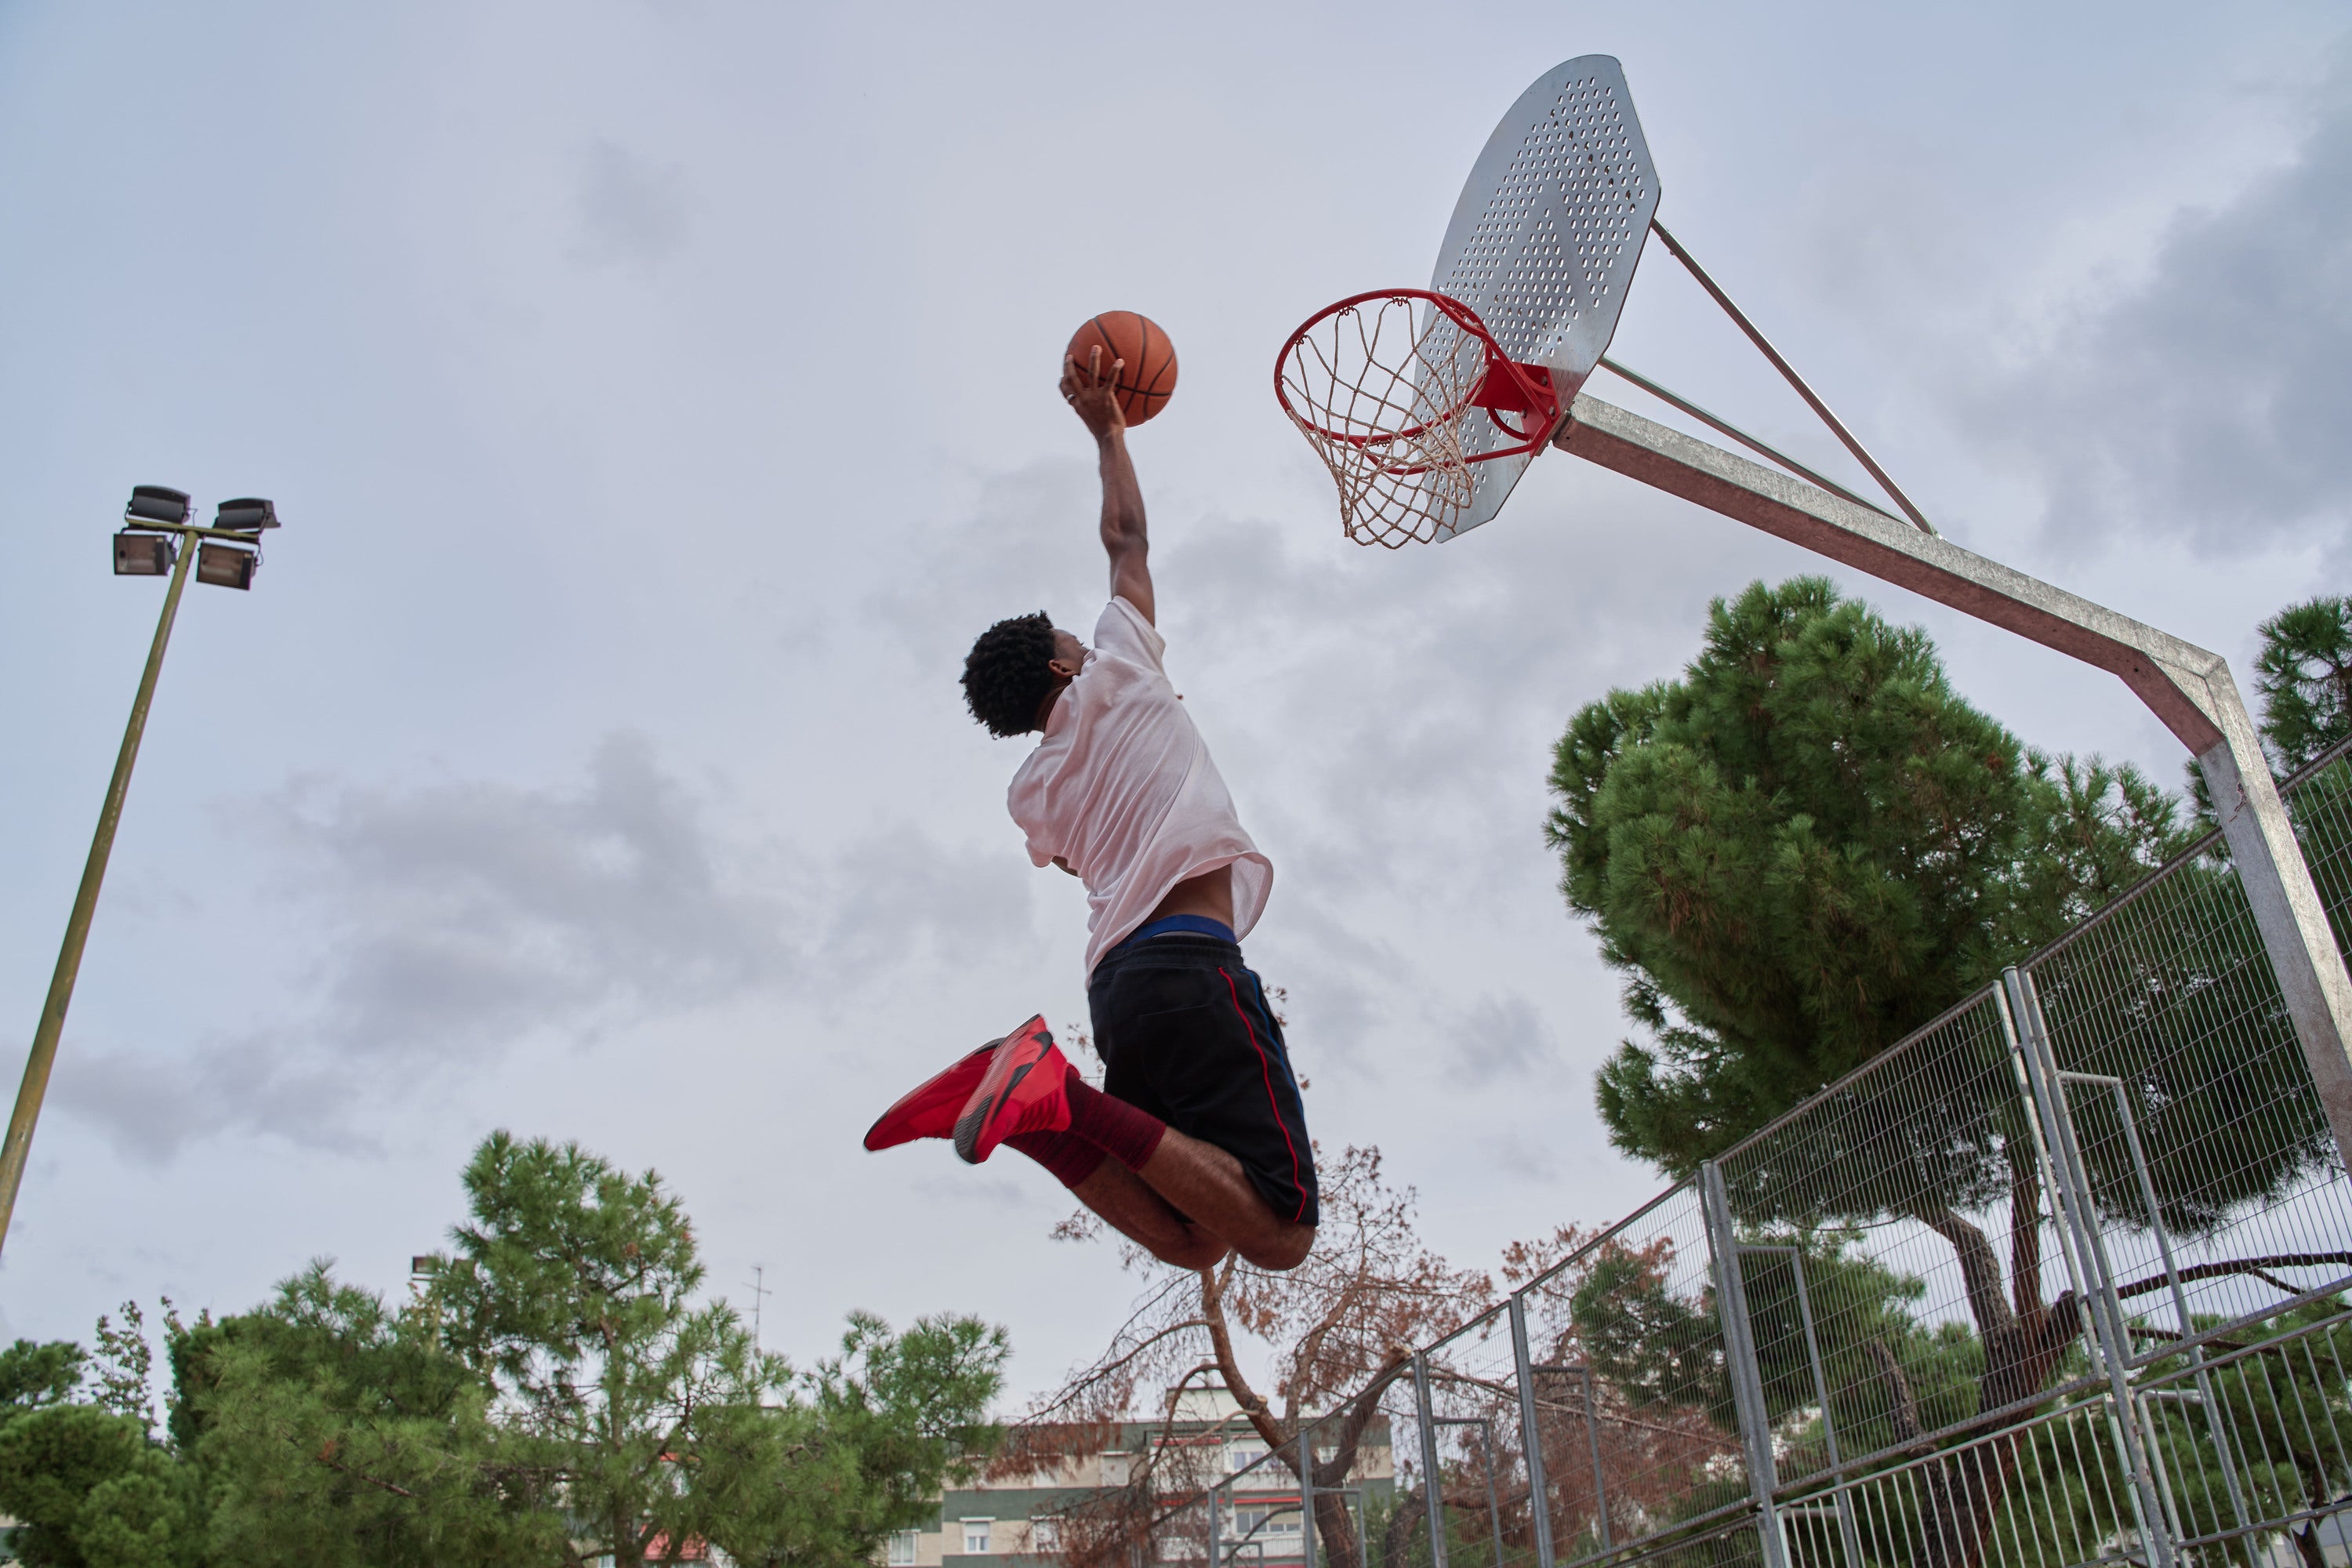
[[2190, 690]]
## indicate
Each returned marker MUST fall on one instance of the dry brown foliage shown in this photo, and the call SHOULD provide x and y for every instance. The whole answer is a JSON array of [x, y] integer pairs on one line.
[[1332, 1333]]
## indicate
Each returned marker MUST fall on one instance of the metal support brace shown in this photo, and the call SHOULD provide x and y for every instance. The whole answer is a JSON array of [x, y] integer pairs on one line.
[[2079, 1221], [1531, 1435], [1431, 1490], [2190, 690], [1740, 1357]]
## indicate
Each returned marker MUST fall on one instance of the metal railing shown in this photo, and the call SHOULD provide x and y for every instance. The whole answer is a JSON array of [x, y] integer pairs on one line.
[[2059, 1280]]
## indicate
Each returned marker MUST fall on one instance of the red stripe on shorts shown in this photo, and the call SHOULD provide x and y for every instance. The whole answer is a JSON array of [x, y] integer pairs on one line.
[[1266, 1069]]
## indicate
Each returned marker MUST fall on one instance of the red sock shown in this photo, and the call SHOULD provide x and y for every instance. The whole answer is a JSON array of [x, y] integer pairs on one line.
[[1117, 1129], [1071, 1159]]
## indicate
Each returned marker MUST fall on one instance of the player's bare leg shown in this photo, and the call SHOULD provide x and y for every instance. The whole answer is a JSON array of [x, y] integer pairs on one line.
[[1185, 1176], [1121, 1200]]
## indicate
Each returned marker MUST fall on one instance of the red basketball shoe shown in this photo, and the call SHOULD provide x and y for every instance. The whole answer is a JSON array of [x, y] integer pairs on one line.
[[929, 1109], [1023, 1091]]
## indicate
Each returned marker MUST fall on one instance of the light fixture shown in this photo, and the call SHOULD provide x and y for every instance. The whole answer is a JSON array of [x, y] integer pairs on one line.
[[156, 504], [246, 514], [142, 554], [226, 565]]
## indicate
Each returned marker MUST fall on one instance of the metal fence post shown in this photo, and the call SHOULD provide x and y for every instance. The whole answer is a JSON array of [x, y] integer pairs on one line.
[[1846, 1532], [1739, 1359], [1306, 1493], [1532, 1434], [1431, 1490], [1592, 1440], [1494, 1497], [2083, 1221], [2223, 1444], [1216, 1543]]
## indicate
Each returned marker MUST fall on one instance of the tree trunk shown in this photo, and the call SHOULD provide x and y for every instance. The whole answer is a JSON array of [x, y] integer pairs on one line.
[[2021, 1343], [1335, 1532], [1396, 1542]]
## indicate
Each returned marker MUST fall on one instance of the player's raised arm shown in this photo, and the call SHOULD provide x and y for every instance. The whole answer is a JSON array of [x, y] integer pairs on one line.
[[1092, 389]]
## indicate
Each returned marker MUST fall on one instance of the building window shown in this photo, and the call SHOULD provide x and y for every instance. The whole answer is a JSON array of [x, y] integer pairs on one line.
[[1114, 1469], [1258, 1523], [902, 1548], [1241, 1455], [1044, 1535], [975, 1537]]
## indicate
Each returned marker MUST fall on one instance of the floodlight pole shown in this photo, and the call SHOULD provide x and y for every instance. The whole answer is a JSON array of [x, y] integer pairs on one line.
[[2190, 690], [29, 1093]]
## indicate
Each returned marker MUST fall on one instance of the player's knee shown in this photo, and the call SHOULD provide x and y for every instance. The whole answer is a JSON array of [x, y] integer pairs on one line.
[[1195, 1252], [1285, 1251]]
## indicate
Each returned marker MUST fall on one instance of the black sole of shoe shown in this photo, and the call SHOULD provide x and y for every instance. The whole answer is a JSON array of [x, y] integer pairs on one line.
[[970, 1125]]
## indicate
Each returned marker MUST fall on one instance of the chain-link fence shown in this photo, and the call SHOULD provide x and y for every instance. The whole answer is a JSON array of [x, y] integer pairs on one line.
[[2061, 1278]]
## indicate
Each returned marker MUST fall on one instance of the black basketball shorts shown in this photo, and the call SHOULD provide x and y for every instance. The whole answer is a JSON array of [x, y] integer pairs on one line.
[[1185, 1033]]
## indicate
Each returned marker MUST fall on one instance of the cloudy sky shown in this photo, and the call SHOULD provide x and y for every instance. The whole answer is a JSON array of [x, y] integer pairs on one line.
[[658, 397]]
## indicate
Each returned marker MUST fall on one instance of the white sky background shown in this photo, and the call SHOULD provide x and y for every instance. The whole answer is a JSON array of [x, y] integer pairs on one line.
[[661, 396]]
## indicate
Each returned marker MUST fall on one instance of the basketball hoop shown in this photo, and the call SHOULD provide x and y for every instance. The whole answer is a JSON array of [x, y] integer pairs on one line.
[[1399, 391]]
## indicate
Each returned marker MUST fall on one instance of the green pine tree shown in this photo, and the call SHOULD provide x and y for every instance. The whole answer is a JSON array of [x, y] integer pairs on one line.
[[573, 1295], [335, 1431], [2303, 677], [1807, 848]]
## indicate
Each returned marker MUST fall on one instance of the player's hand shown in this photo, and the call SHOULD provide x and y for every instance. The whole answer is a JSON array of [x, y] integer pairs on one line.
[[1092, 389]]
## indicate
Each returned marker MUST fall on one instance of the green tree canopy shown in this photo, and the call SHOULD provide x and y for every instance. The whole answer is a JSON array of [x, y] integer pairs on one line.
[[2304, 677], [90, 1489], [32, 1374], [336, 1432], [572, 1295], [1808, 847]]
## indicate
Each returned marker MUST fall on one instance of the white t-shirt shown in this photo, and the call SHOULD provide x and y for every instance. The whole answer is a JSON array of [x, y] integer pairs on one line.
[[1121, 788]]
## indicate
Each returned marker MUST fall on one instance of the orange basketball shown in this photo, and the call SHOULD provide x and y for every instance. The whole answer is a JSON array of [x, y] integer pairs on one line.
[[1148, 378]]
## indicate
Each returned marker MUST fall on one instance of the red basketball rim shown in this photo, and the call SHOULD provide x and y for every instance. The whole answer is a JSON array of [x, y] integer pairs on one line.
[[1462, 316]]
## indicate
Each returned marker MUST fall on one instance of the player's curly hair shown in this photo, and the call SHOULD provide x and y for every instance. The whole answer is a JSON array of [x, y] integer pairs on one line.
[[1005, 675]]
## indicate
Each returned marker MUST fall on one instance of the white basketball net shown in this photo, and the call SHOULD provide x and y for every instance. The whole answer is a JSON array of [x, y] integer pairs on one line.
[[1379, 389]]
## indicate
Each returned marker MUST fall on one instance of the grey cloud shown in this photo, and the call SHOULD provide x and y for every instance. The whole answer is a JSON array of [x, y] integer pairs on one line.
[[456, 920], [150, 1109], [631, 211], [1026, 545], [2211, 401], [899, 893], [1503, 1036], [474, 909], [1525, 1158]]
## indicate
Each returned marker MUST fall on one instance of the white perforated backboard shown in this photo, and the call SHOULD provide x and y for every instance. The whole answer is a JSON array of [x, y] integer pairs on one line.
[[1544, 239]]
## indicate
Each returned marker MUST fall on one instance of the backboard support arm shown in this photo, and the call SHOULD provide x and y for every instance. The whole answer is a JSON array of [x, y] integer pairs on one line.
[[2190, 689], [1789, 373]]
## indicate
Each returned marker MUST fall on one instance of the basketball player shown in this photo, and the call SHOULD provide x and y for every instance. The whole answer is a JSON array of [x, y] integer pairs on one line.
[[1196, 1143]]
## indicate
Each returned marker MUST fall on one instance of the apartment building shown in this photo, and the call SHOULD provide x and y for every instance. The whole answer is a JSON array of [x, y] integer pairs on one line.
[[1019, 1517]]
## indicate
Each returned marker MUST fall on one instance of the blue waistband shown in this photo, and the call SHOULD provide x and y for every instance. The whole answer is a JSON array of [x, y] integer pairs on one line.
[[1199, 925]]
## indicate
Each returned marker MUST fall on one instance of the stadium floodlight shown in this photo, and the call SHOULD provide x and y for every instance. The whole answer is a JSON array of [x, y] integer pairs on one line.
[[156, 504], [138, 554], [151, 544], [226, 565], [248, 514]]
